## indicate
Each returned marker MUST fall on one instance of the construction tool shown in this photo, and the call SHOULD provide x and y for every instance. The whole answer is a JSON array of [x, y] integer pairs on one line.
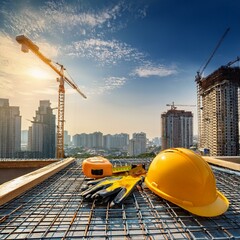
[[99, 167]]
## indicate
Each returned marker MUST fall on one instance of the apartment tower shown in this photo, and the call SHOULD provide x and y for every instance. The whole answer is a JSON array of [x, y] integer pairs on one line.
[[10, 129], [138, 144], [42, 132], [218, 111], [177, 128]]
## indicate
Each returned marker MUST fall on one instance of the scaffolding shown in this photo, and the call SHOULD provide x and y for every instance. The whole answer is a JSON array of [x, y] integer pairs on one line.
[[55, 209], [217, 96]]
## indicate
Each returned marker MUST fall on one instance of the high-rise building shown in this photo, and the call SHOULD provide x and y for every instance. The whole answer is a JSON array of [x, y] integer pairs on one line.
[[80, 140], [96, 140], [218, 111], [42, 132], [177, 129], [67, 138], [92, 140], [116, 141], [10, 129], [137, 145], [24, 139]]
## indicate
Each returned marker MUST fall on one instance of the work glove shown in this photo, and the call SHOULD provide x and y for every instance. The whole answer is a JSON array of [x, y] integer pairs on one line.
[[113, 189]]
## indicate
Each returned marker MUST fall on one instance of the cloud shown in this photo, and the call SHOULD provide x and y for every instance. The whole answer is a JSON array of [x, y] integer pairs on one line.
[[107, 85], [149, 70], [60, 17], [114, 82], [104, 52]]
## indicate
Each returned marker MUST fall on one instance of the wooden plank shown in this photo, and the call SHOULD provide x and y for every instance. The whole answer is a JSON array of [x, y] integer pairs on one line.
[[223, 163], [17, 186]]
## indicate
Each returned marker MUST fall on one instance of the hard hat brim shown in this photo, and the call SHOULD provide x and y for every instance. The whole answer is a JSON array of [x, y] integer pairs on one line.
[[218, 207]]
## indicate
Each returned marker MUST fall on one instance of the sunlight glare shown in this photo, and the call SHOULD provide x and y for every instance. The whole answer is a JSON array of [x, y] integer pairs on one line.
[[39, 73]]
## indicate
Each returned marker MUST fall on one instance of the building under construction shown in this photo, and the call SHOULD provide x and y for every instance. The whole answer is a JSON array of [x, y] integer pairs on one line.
[[218, 111], [177, 128]]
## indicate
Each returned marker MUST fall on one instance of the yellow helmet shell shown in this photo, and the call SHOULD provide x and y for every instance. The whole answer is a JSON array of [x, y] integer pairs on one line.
[[185, 179]]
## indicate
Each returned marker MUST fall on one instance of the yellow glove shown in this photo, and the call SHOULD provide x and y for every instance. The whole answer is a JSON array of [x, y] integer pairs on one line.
[[114, 189]]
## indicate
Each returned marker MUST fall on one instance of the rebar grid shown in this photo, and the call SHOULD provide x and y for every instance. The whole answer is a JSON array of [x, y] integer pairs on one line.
[[54, 209]]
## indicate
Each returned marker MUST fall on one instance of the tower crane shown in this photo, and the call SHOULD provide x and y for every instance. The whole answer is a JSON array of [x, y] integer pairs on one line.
[[174, 106], [198, 79], [232, 62], [27, 44], [201, 70]]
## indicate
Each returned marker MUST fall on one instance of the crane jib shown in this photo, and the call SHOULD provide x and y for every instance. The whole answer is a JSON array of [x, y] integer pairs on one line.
[[28, 44]]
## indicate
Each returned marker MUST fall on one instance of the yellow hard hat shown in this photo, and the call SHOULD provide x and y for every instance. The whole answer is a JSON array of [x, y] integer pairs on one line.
[[184, 178]]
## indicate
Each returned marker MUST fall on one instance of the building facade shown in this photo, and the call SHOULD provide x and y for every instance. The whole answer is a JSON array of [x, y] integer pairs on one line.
[[116, 141], [138, 144], [177, 129], [41, 134], [10, 129], [99, 141], [67, 138], [218, 112]]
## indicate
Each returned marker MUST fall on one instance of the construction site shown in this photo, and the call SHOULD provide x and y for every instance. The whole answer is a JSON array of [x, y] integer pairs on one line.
[[218, 107], [218, 111], [47, 204], [53, 200]]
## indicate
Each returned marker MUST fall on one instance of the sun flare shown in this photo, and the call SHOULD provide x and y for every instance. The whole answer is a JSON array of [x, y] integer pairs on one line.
[[38, 73]]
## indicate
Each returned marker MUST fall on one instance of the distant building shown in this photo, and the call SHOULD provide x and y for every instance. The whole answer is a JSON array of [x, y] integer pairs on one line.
[[154, 142], [42, 132], [24, 140], [107, 141], [80, 140], [137, 145], [96, 140], [177, 129], [116, 141], [67, 138], [218, 112], [99, 141], [10, 129], [92, 140]]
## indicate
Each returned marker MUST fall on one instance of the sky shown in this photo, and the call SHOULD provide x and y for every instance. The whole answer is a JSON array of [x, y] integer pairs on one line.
[[130, 58]]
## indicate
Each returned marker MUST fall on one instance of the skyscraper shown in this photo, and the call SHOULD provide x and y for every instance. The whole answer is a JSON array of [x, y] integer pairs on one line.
[[67, 138], [177, 129], [218, 111], [10, 129], [137, 144], [42, 132], [116, 141]]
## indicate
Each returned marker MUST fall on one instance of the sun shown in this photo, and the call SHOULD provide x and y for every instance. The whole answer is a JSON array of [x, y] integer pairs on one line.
[[38, 73]]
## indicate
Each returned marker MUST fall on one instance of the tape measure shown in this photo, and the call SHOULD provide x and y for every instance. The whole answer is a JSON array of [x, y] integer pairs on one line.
[[118, 169], [98, 167]]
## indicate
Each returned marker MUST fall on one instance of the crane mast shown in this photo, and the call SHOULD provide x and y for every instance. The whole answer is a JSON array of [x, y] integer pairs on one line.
[[198, 79], [27, 44], [60, 126]]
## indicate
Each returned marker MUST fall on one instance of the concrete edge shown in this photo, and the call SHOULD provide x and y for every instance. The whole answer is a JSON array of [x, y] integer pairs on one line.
[[17, 186], [222, 163], [26, 164]]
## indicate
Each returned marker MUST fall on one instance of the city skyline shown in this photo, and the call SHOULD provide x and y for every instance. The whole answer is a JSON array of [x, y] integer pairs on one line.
[[130, 58]]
